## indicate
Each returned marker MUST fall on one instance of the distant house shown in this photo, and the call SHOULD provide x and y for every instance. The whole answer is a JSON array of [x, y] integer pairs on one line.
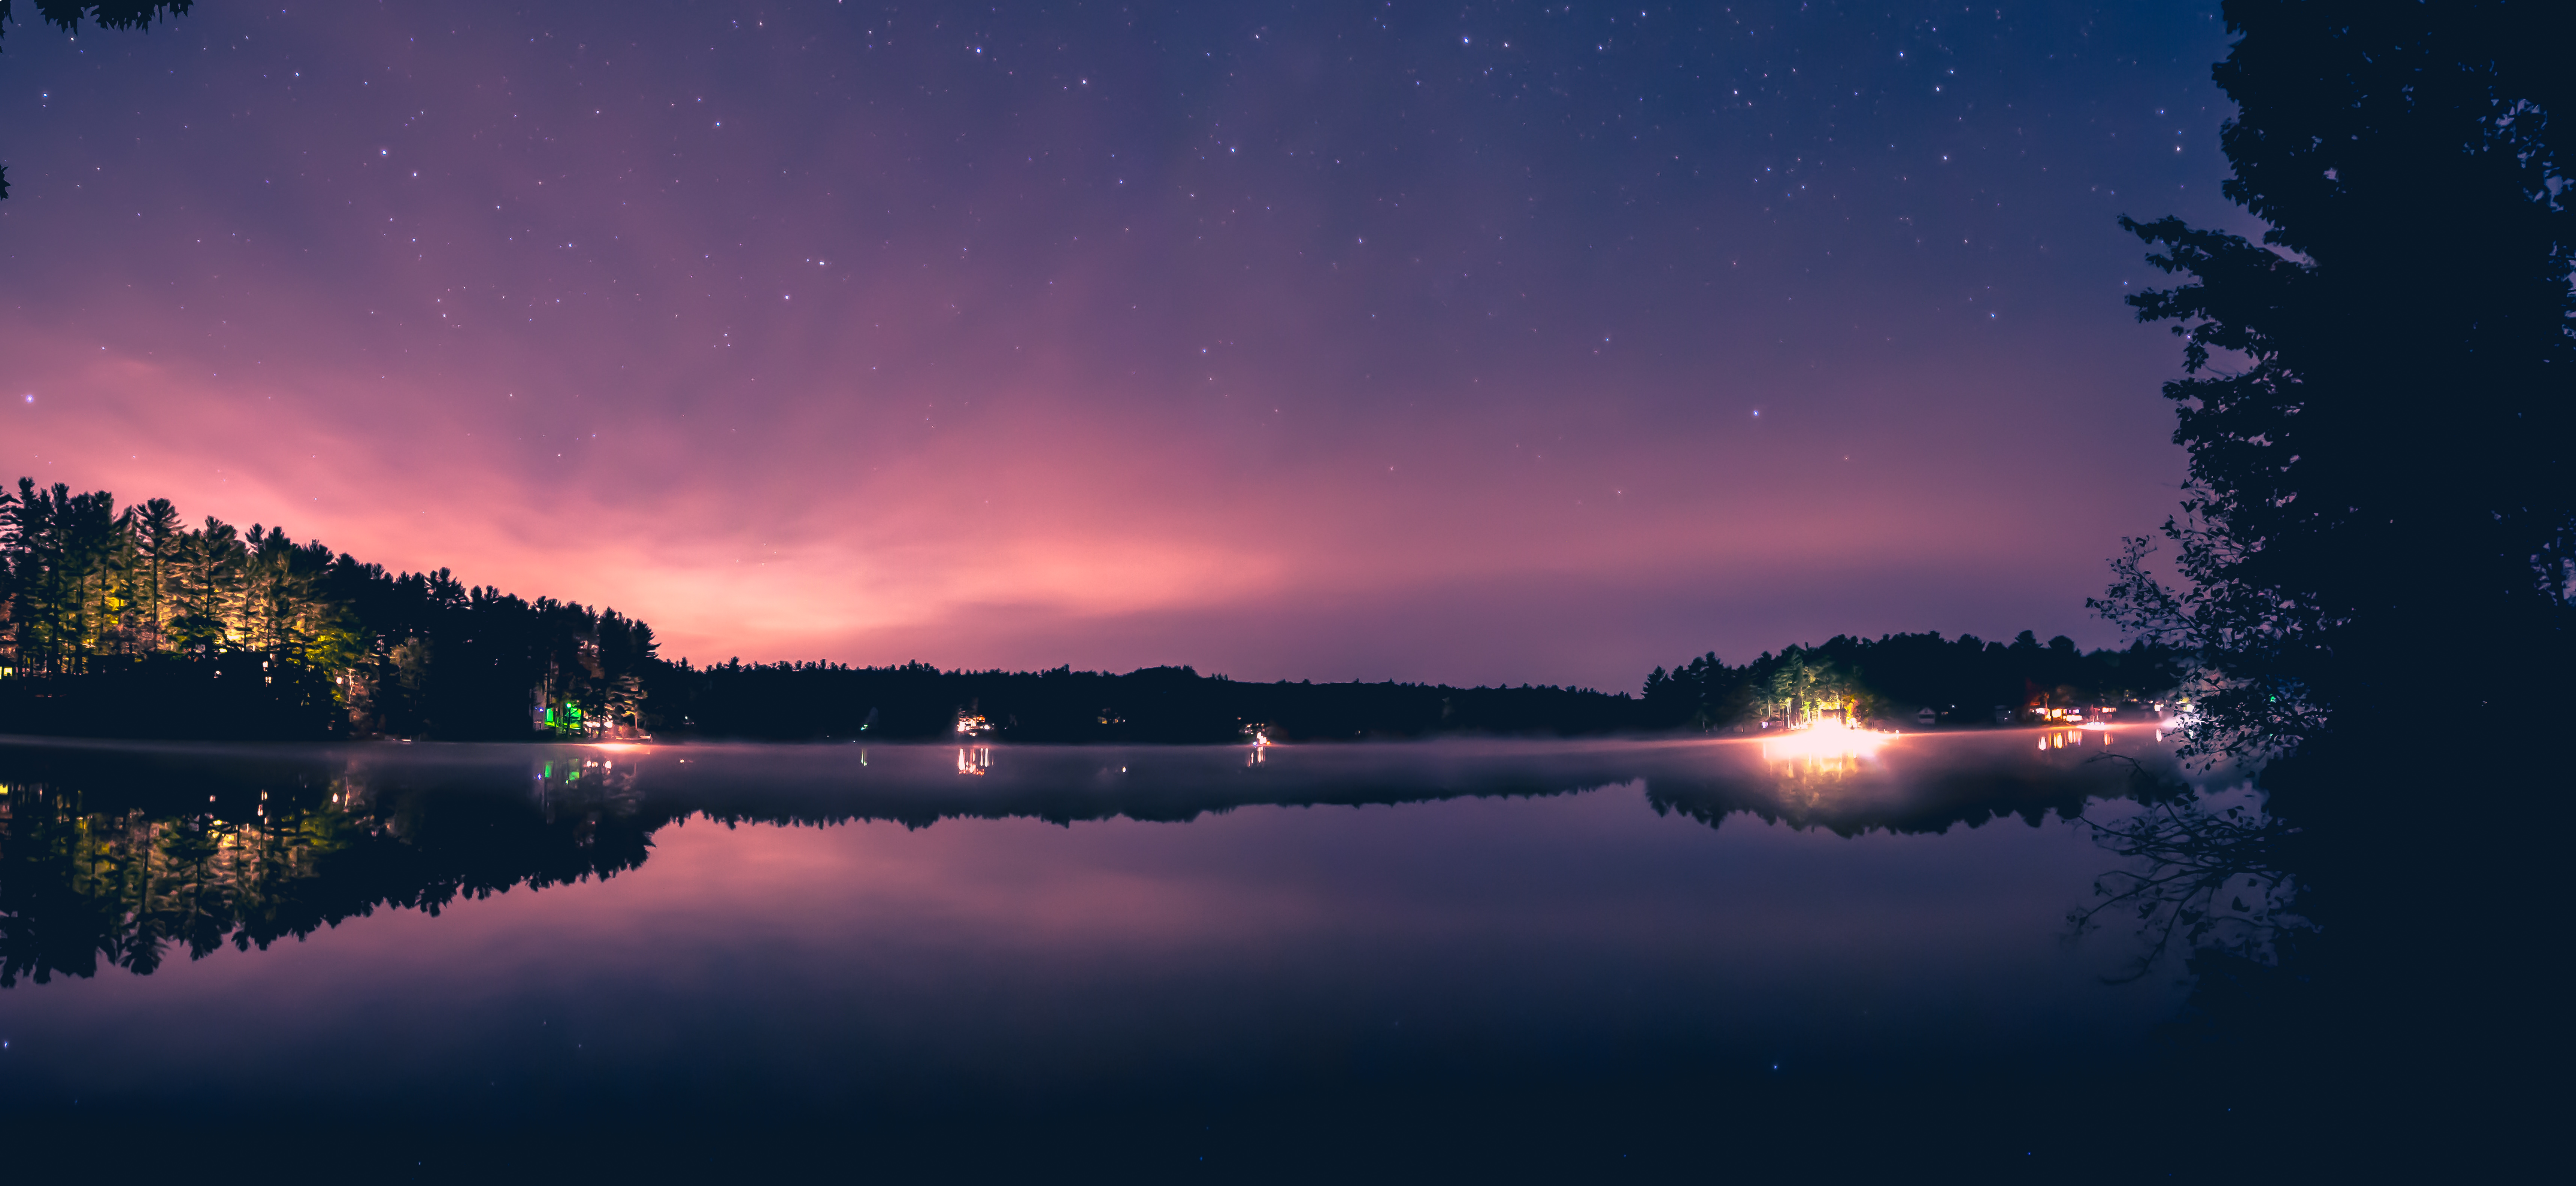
[[565, 719]]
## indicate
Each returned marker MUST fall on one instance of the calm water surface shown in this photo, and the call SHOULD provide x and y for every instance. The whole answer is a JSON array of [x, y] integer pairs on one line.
[[1589, 952]]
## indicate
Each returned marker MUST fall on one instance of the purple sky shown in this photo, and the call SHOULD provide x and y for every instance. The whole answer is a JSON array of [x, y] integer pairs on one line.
[[1464, 343]]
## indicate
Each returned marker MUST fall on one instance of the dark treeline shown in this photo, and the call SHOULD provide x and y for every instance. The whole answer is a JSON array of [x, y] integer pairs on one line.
[[801, 701], [123, 621], [127, 622], [1963, 680]]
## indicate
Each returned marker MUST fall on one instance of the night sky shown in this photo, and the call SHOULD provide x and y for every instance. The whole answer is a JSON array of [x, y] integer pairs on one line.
[[1469, 343]]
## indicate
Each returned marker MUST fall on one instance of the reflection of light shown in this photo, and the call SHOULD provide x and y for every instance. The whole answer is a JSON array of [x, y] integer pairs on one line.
[[2061, 738], [2097, 726], [1827, 740], [614, 747], [974, 759]]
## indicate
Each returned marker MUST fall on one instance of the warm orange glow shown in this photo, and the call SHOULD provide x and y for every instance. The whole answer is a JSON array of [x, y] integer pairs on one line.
[[2063, 737]]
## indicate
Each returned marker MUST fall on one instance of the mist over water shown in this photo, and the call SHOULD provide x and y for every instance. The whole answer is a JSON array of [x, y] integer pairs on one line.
[[1120, 939]]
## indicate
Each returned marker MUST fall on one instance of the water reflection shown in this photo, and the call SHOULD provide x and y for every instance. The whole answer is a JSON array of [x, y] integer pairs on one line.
[[1827, 748], [119, 856], [1624, 930], [2096, 734], [2203, 872]]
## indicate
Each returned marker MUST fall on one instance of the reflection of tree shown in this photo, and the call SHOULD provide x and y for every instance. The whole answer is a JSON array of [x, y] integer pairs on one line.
[[125, 856], [79, 885], [1853, 796], [91, 885], [85, 878], [2205, 875]]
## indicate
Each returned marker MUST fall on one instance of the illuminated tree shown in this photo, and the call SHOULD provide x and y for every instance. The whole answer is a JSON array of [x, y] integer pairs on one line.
[[129, 612], [207, 587], [155, 526]]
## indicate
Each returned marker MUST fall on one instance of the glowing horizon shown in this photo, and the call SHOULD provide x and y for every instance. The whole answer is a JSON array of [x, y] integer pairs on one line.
[[578, 304]]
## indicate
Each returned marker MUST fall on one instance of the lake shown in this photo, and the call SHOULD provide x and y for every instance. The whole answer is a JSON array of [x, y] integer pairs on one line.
[[1559, 957]]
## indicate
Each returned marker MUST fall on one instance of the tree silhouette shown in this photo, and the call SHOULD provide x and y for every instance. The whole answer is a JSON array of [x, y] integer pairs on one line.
[[2378, 402], [2379, 516]]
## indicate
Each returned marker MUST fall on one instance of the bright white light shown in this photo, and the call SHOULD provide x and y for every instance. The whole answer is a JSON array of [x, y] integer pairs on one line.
[[1826, 740]]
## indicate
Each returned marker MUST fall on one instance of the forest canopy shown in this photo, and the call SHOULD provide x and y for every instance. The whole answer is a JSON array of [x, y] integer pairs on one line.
[[125, 621], [1963, 680]]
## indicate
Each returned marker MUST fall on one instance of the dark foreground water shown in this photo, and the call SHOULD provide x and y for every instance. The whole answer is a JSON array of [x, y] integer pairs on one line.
[[1526, 959]]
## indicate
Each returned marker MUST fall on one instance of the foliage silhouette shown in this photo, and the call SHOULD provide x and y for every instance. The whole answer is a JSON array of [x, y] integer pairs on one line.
[[2400, 383], [2377, 407], [2193, 860]]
